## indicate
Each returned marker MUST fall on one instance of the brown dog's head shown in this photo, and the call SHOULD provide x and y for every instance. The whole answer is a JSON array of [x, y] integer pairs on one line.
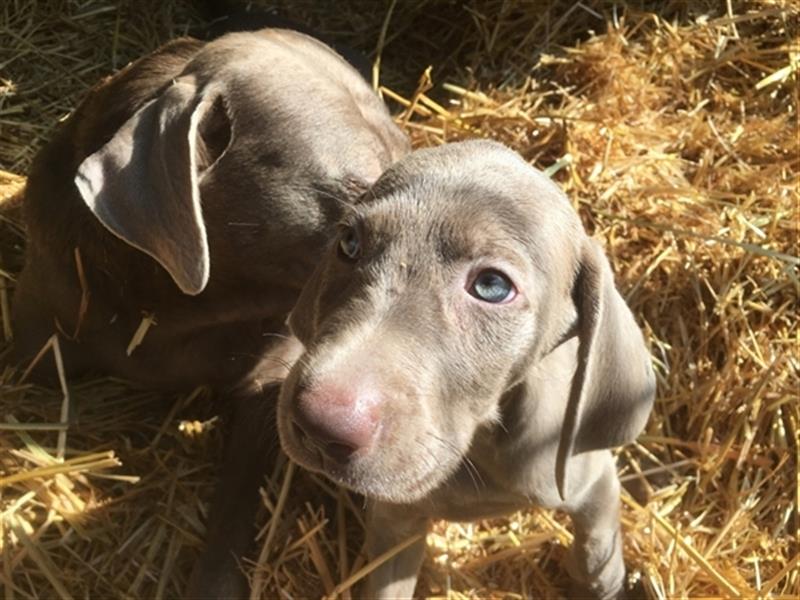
[[243, 154], [199, 184], [464, 268]]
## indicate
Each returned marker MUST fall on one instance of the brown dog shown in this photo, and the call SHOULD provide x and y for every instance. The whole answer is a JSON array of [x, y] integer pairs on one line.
[[196, 188], [467, 355]]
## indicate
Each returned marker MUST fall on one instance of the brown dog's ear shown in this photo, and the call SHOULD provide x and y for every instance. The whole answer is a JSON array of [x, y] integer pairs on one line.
[[613, 387], [303, 319], [143, 185]]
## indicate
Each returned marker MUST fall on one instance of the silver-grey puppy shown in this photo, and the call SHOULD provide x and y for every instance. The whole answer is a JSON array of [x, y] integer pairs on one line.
[[467, 355]]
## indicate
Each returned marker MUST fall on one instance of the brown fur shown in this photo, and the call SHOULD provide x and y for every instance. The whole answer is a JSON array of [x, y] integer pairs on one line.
[[198, 186], [308, 136]]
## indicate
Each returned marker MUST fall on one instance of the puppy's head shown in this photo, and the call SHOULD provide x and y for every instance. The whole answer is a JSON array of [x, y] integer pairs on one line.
[[434, 300]]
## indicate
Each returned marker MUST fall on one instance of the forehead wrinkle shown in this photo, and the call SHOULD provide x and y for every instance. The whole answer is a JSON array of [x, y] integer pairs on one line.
[[461, 220], [539, 224], [467, 230]]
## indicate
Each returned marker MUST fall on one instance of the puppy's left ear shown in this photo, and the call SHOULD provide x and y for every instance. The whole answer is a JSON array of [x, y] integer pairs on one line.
[[143, 185], [613, 387]]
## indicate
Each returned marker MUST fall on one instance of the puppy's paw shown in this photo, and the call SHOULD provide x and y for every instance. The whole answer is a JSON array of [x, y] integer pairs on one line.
[[629, 590], [579, 591]]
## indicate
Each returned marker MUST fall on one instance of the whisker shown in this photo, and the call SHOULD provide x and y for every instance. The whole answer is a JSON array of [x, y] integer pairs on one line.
[[470, 467], [282, 336]]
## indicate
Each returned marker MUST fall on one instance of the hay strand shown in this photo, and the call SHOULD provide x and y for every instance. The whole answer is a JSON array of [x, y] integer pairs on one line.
[[673, 128]]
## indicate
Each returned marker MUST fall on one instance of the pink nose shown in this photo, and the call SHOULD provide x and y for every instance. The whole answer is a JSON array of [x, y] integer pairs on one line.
[[338, 421]]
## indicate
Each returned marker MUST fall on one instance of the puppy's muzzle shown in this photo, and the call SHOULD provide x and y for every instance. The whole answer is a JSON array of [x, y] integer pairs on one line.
[[338, 422]]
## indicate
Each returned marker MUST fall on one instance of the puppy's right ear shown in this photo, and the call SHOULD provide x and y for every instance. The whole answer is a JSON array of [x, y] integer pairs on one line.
[[613, 388], [143, 185], [303, 321]]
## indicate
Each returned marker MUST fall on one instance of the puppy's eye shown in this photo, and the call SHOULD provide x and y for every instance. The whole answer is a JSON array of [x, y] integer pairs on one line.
[[349, 244], [492, 286]]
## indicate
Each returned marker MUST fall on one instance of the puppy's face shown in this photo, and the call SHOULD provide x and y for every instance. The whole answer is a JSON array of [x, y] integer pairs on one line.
[[428, 306]]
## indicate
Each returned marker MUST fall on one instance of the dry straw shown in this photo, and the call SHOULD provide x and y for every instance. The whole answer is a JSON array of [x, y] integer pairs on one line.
[[675, 133]]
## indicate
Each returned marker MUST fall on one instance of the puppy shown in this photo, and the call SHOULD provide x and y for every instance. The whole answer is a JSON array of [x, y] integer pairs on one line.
[[196, 188], [193, 192], [467, 355]]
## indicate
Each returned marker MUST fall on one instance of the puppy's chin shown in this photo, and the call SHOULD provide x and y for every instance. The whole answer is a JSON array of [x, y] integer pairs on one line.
[[366, 476], [399, 488]]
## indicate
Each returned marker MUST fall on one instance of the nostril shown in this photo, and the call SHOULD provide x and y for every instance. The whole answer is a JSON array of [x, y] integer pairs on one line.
[[338, 451]]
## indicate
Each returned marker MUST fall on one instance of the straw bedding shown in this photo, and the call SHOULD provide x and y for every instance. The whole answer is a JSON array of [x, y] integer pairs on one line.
[[673, 127]]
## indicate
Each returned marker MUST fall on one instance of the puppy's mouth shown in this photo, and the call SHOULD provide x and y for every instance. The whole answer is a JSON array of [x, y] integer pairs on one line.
[[378, 473]]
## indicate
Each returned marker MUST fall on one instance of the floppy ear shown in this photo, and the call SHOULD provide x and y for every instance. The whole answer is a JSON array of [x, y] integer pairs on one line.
[[143, 185], [303, 320], [613, 387]]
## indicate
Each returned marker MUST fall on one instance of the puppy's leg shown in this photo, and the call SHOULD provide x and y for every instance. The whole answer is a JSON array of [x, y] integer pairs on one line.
[[596, 563], [388, 526], [251, 451]]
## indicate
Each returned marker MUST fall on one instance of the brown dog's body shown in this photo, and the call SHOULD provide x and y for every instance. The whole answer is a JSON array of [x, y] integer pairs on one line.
[[281, 133], [197, 188], [467, 355]]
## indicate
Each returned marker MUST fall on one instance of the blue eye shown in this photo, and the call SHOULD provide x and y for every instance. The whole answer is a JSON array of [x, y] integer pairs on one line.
[[492, 286], [349, 244]]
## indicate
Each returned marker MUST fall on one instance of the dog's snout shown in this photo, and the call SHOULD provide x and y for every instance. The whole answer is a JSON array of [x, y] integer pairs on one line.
[[337, 421]]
